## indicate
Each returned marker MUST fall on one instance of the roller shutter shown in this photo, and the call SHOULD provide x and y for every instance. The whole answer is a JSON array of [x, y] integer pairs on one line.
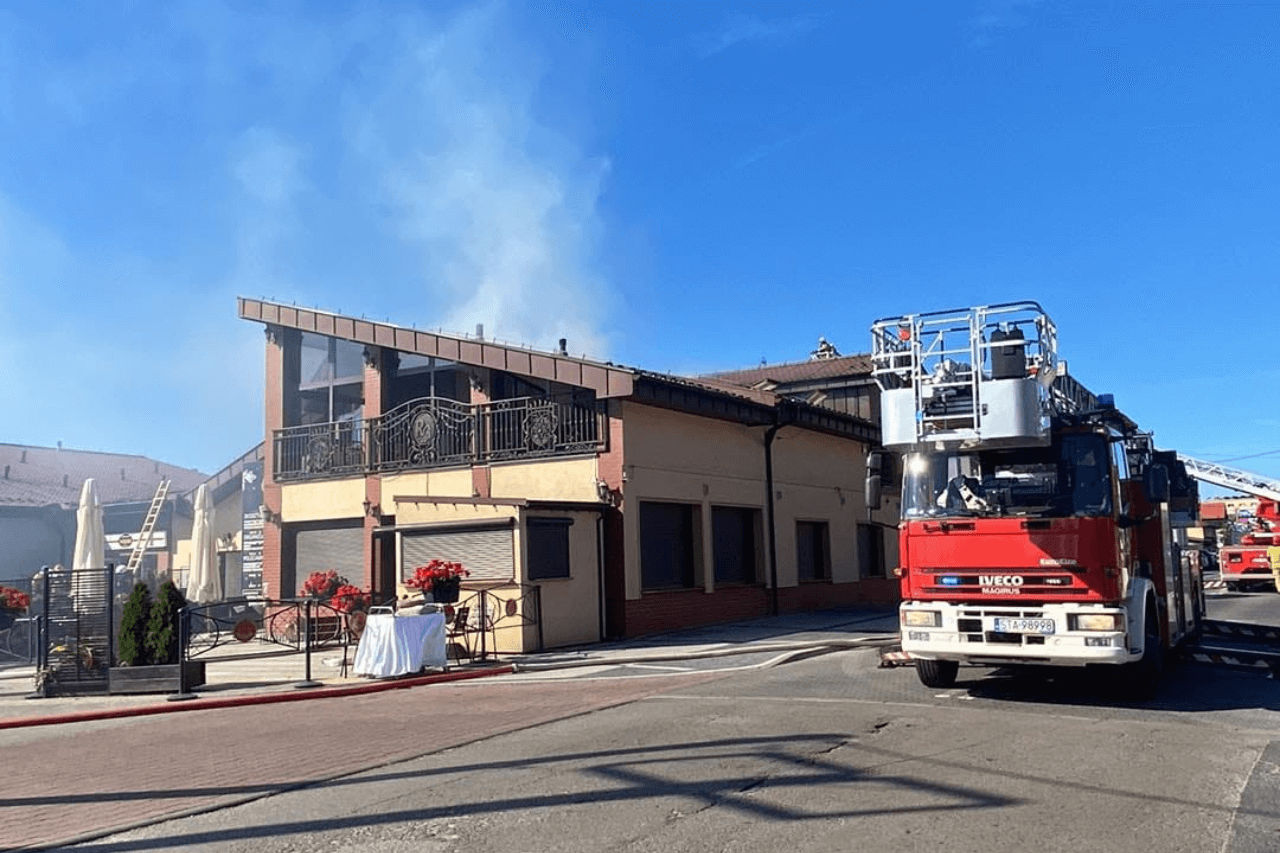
[[488, 553], [321, 549]]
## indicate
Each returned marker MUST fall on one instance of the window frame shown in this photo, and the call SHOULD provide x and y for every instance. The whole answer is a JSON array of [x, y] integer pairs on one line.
[[820, 539], [688, 577], [548, 525], [751, 538]]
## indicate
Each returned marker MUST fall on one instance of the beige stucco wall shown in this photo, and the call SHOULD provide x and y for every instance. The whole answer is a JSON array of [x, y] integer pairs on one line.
[[677, 457], [569, 606], [322, 501], [546, 480], [449, 482]]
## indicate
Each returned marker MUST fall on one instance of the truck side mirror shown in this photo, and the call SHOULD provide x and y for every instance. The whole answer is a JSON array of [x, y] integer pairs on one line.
[[1155, 482], [875, 463]]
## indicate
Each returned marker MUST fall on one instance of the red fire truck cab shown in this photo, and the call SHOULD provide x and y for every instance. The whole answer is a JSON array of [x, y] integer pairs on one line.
[[1039, 525]]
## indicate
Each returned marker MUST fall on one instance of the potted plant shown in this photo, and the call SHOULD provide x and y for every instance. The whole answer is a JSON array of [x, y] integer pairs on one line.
[[322, 586], [354, 603], [442, 578], [13, 603], [133, 650], [326, 625], [157, 667]]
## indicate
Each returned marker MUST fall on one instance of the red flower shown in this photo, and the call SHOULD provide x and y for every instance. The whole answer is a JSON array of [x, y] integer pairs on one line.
[[323, 584], [434, 572], [13, 599], [350, 598]]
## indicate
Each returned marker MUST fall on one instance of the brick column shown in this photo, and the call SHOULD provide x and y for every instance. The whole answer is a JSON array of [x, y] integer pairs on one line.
[[378, 363], [480, 473], [273, 408]]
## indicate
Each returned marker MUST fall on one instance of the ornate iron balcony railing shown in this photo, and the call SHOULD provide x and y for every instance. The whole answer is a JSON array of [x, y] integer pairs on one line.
[[434, 432]]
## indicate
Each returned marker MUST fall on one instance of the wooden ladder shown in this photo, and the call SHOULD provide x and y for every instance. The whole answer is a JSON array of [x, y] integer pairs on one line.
[[148, 526]]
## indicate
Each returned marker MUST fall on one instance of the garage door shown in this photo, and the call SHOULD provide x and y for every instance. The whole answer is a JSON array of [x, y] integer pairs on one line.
[[322, 549], [488, 553]]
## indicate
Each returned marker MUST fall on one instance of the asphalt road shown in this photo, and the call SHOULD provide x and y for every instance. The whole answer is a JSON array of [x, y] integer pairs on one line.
[[828, 753]]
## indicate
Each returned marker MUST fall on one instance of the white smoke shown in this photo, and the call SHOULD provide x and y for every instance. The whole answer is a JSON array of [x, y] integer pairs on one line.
[[502, 207]]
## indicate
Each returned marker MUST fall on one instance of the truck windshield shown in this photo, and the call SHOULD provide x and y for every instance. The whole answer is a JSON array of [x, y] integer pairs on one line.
[[1070, 478]]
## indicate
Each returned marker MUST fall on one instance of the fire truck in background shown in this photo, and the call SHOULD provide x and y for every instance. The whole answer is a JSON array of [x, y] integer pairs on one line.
[[1245, 559], [1039, 525]]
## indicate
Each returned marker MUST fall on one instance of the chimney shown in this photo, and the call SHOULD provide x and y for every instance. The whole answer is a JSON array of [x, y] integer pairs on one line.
[[66, 480], [480, 331], [59, 445], [6, 472], [24, 456], [564, 347], [121, 473]]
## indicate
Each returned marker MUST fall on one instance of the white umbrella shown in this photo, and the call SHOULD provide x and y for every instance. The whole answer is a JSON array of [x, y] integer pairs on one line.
[[204, 584], [91, 543]]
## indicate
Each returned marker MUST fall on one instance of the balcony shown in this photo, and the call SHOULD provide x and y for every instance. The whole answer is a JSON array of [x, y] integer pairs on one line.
[[433, 432]]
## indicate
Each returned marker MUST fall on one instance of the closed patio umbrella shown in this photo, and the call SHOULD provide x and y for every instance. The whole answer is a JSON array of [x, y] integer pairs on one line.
[[90, 550], [204, 584]]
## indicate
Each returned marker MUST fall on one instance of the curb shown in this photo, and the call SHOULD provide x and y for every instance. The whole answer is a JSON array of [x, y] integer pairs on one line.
[[239, 701]]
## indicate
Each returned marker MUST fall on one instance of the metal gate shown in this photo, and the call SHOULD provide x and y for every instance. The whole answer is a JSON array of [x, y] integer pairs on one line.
[[78, 628]]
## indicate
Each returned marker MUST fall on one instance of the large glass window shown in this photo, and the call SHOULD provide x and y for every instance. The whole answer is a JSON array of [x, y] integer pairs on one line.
[[419, 376], [330, 381], [668, 546], [1070, 478], [734, 529]]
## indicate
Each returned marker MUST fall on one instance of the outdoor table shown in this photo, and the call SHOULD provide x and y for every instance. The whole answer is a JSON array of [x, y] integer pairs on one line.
[[399, 645]]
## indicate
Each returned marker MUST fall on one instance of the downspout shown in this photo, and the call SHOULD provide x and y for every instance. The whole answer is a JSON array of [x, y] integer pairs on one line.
[[769, 436], [600, 597]]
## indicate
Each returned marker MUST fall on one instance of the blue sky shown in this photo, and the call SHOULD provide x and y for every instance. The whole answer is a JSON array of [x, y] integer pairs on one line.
[[681, 187]]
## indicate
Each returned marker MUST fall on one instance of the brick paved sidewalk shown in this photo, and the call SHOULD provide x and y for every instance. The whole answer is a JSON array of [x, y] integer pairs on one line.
[[82, 780]]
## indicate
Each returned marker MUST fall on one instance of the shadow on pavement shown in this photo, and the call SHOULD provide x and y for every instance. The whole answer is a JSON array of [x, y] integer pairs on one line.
[[1187, 687]]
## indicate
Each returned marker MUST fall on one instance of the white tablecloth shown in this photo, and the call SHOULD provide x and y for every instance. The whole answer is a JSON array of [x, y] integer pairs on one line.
[[398, 645]]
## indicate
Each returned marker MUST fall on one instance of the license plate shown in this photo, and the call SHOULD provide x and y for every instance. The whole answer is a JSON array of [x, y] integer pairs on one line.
[[1023, 626]]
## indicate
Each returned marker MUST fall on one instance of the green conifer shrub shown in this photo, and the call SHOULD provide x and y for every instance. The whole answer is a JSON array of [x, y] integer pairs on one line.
[[162, 632], [133, 627]]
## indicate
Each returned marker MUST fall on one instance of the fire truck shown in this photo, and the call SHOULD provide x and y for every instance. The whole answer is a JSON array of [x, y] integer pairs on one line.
[[1040, 526], [1245, 558]]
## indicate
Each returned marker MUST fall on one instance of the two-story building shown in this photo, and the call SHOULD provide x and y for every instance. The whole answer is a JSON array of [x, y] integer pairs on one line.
[[589, 499]]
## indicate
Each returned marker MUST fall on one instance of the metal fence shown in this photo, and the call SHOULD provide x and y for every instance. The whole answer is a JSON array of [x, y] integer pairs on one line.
[[434, 432], [75, 630]]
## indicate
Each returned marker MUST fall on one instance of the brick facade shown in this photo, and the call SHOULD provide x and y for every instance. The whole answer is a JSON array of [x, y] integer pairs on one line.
[[655, 612]]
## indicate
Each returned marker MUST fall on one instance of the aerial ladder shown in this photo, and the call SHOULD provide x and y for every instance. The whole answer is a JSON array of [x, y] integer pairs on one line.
[[148, 526], [1232, 478]]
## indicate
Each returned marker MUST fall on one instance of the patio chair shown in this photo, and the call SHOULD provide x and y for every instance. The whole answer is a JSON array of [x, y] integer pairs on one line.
[[457, 637]]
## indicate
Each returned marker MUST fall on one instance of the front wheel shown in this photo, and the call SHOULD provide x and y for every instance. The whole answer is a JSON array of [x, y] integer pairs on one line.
[[1142, 678], [937, 673]]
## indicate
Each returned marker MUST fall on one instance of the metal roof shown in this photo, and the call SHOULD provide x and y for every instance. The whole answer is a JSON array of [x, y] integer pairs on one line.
[[43, 476], [606, 380]]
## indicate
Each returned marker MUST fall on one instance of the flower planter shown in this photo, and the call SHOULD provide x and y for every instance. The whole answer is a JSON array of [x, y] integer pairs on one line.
[[446, 592], [160, 678]]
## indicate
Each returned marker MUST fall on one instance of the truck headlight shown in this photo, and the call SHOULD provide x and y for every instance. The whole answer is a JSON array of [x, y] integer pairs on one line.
[[922, 618], [1094, 622]]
